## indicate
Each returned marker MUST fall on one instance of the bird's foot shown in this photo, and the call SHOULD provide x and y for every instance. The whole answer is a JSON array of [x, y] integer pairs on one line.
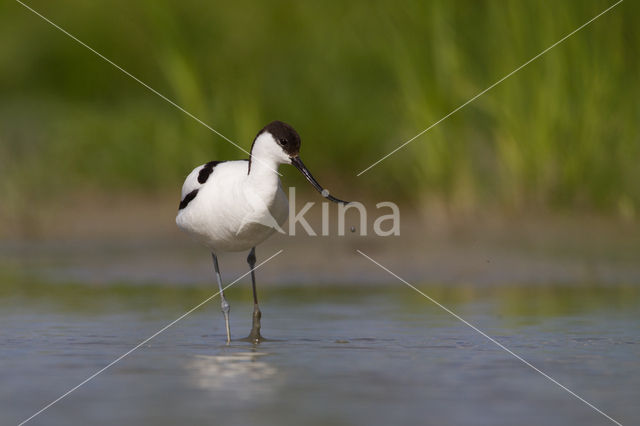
[[254, 336]]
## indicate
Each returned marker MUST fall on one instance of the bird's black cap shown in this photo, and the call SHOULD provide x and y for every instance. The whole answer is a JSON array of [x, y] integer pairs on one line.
[[285, 135]]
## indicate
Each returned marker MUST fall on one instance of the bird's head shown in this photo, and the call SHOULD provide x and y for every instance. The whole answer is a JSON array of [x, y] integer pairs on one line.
[[279, 143]]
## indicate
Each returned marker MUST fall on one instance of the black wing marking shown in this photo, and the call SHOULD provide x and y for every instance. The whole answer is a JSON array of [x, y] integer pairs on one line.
[[206, 170], [187, 199]]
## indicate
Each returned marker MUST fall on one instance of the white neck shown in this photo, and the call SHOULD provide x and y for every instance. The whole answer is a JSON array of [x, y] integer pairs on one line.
[[266, 156]]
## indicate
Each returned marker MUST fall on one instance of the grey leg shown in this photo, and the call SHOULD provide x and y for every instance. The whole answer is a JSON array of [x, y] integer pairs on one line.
[[254, 336], [223, 304]]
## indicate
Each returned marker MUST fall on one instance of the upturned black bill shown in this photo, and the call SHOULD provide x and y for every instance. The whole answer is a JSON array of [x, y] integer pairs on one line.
[[296, 161]]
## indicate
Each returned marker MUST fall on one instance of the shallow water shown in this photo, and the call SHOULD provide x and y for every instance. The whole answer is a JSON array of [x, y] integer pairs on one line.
[[340, 355]]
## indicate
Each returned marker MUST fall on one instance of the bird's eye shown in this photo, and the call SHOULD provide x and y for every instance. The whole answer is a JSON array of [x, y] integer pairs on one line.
[[283, 142]]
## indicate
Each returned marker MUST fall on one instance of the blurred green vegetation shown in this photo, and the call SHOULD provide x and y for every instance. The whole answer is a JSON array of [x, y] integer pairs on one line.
[[355, 78], [515, 302]]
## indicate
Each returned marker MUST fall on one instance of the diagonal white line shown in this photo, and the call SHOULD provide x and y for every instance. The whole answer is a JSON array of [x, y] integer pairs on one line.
[[143, 342], [491, 87], [131, 75], [136, 79], [500, 345]]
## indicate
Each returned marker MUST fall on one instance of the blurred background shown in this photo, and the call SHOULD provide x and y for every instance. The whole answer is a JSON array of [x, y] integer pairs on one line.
[[546, 162], [520, 211], [89, 155], [355, 79]]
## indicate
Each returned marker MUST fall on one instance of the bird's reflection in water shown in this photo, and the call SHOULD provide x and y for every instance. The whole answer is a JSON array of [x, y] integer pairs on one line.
[[243, 375]]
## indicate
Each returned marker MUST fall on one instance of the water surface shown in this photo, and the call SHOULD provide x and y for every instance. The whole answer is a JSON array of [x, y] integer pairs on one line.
[[339, 355]]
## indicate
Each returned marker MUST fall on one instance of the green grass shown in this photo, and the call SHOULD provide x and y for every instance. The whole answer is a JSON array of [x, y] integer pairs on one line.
[[355, 78]]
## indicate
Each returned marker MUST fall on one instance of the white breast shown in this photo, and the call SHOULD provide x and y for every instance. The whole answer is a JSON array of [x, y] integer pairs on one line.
[[229, 211]]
